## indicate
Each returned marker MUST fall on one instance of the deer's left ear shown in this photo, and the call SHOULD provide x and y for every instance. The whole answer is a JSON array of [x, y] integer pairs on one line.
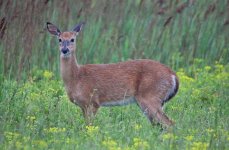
[[78, 27]]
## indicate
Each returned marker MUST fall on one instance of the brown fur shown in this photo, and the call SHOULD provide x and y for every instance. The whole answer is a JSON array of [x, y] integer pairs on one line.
[[89, 86]]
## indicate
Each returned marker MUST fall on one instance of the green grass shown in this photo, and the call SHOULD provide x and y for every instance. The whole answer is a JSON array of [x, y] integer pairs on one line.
[[38, 115]]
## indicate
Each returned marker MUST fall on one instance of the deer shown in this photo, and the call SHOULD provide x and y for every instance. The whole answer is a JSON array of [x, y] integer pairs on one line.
[[145, 82]]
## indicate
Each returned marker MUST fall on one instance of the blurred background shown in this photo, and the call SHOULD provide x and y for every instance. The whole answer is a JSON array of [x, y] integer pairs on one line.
[[177, 33]]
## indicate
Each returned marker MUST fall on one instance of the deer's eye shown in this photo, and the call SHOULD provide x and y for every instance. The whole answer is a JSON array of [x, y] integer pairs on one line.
[[60, 40], [72, 40]]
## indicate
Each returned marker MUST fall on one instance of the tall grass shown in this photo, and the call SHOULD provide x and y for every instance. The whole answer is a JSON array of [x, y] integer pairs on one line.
[[173, 32]]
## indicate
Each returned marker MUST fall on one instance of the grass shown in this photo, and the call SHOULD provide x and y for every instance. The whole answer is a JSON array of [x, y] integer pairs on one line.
[[189, 36], [174, 33], [38, 115]]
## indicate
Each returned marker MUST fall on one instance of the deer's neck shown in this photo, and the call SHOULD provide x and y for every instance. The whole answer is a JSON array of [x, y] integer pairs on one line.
[[69, 69]]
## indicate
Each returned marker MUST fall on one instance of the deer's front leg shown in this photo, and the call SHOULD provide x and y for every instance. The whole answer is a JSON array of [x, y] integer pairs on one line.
[[89, 112]]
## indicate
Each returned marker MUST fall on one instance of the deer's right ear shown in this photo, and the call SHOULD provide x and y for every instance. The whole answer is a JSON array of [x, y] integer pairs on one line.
[[79, 27], [53, 29]]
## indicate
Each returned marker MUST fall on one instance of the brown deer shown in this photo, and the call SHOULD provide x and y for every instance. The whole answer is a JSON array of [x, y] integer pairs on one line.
[[148, 83]]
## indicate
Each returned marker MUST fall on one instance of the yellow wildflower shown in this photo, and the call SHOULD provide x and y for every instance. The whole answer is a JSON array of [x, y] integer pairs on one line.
[[19, 145], [219, 67], [137, 127], [127, 148], [198, 60], [111, 144], [183, 77], [70, 141], [189, 138], [26, 139], [207, 68], [33, 96], [55, 130], [40, 143], [47, 74], [11, 135], [91, 130], [168, 136], [222, 76], [140, 144], [199, 146], [209, 130]]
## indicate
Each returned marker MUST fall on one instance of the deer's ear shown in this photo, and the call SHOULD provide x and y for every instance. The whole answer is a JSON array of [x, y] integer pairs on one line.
[[78, 27], [53, 29]]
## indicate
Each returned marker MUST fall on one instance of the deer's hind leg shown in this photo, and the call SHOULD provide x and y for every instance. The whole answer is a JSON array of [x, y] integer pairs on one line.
[[152, 108]]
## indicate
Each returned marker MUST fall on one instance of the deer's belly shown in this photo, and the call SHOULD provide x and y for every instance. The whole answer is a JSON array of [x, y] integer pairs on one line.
[[119, 102]]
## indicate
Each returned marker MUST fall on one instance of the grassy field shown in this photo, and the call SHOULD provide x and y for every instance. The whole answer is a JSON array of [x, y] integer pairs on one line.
[[37, 114], [189, 36]]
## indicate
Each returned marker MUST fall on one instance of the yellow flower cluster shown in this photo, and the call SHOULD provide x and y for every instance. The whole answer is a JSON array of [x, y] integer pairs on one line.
[[140, 144], [207, 68], [18, 145], [189, 138], [31, 122], [92, 130], [47, 74], [40, 143], [198, 60], [110, 144], [225, 133], [33, 96], [55, 130], [169, 136], [70, 141], [184, 78], [11, 135], [219, 67], [209, 130], [137, 127], [26, 138], [199, 146]]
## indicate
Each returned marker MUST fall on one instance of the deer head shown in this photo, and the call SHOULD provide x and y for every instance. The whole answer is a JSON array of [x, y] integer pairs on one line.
[[67, 39]]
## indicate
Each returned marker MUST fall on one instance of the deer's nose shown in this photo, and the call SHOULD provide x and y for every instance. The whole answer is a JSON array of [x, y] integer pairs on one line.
[[65, 50]]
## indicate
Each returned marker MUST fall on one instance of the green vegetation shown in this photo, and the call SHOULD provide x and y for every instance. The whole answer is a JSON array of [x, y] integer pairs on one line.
[[189, 36], [37, 114]]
